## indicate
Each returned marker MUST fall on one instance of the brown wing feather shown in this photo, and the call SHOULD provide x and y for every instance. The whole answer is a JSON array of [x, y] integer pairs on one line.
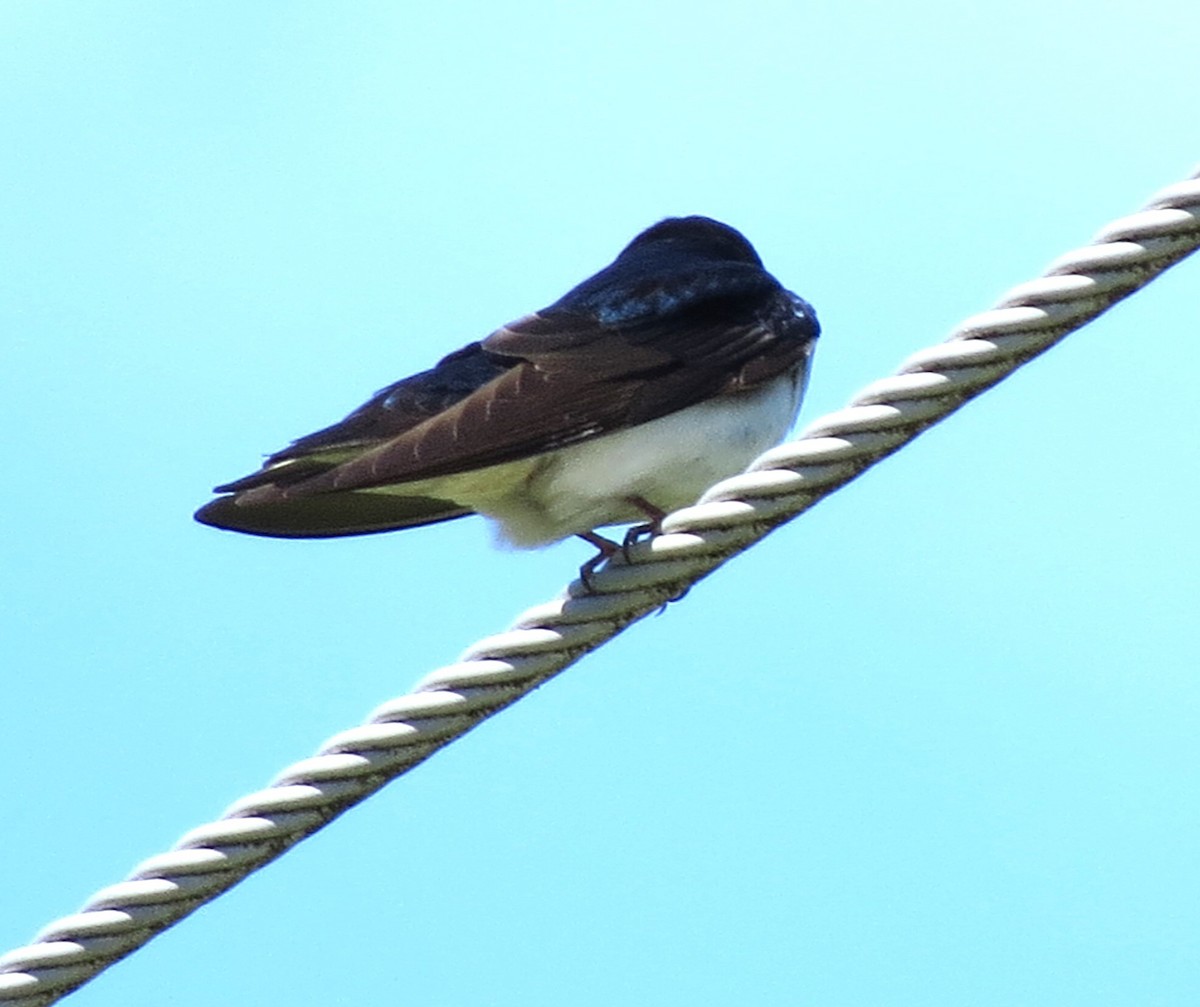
[[557, 398]]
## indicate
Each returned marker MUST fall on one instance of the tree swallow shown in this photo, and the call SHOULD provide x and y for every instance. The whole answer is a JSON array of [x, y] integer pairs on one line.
[[668, 370]]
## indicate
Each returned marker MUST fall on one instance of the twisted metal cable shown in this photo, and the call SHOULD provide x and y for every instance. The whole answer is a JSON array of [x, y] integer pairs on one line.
[[499, 670]]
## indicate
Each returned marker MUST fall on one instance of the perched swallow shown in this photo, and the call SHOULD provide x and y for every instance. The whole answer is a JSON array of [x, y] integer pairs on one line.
[[667, 371]]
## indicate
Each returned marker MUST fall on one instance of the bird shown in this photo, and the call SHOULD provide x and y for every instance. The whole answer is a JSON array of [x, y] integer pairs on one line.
[[665, 372]]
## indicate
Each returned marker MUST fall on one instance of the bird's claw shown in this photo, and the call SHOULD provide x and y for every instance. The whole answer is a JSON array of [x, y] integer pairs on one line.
[[606, 549], [638, 533]]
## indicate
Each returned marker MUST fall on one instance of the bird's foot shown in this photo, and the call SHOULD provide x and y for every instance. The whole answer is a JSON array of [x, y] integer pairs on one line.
[[645, 530], [606, 550]]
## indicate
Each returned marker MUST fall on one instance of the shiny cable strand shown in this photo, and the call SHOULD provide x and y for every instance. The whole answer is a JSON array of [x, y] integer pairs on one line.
[[498, 670]]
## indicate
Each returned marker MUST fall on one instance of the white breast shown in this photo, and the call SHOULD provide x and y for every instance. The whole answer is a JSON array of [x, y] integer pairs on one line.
[[669, 462]]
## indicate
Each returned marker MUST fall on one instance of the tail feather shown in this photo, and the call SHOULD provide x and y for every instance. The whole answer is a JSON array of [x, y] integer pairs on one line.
[[327, 515]]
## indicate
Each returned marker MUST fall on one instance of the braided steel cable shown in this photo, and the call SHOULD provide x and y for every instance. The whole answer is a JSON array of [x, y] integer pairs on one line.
[[499, 670]]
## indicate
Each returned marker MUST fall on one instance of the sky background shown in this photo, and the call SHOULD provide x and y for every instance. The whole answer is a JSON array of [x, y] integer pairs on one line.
[[934, 743]]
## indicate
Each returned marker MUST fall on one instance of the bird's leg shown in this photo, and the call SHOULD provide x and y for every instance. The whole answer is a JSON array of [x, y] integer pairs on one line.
[[646, 529], [607, 548]]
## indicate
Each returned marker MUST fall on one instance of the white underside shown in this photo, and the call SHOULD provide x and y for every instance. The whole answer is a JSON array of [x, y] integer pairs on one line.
[[668, 462]]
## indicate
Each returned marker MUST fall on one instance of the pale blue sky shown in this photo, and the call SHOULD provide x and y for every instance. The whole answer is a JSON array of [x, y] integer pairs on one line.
[[935, 743]]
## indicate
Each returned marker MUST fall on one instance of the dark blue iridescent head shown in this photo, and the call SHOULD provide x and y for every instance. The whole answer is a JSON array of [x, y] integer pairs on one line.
[[694, 237], [678, 262]]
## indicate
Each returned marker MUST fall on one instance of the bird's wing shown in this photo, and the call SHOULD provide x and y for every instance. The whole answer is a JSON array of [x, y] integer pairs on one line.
[[256, 503], [389, 413], [576, 376]]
